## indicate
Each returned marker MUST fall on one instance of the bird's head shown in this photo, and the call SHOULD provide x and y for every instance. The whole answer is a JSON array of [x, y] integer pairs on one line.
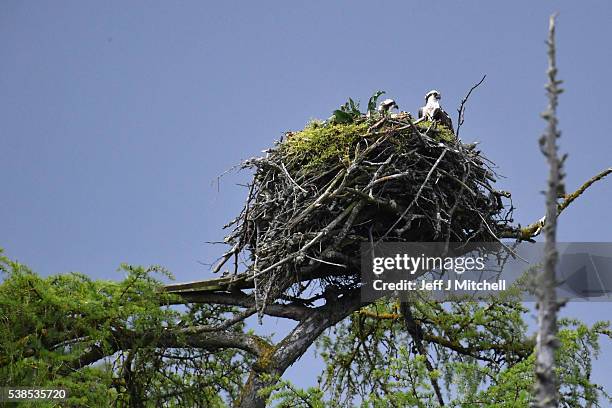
[[387, 104], [433, 93]]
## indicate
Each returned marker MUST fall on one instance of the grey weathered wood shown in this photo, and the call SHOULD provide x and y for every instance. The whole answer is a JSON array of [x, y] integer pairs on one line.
[[546, 385]]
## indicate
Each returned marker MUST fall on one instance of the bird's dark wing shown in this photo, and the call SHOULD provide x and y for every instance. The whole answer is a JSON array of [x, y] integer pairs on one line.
[[447, 121], [420, 113], [441, 116]]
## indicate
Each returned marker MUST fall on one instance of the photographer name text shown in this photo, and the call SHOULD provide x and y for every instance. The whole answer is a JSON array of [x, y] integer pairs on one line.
[[439, 285]]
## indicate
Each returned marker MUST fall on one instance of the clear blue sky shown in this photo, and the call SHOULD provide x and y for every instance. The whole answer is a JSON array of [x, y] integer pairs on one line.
[[117, 117]]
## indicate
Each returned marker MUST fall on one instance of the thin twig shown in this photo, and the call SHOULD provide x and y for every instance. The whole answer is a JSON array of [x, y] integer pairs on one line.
[[461, 110], [291, 179]]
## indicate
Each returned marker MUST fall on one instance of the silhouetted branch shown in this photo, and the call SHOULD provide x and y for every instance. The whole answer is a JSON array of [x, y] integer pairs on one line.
[[461, 110]]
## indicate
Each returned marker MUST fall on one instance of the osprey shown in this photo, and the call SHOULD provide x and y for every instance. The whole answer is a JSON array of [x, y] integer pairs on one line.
[[432, 110], [387, 105]]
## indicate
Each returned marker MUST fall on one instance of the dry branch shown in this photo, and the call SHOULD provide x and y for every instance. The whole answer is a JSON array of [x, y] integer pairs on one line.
[[461, 110], [546, 385], [533, 230]]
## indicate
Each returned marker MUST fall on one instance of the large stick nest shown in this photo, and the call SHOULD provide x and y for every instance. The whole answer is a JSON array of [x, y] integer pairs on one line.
[[322, 192]]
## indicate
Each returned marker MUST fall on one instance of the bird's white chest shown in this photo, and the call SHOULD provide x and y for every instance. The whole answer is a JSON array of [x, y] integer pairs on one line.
[[432, 104], [430, 107]]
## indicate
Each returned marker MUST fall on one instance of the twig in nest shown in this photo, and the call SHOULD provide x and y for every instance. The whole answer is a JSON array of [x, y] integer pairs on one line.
[[416, 197]]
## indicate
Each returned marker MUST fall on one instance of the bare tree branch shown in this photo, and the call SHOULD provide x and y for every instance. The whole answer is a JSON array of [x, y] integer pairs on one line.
[[289, 311], [532, 230], [546, 387], [569, 198], [461, 110]]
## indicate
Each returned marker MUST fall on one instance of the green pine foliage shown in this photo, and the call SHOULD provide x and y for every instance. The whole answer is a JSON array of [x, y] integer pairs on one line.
[[48, 324]]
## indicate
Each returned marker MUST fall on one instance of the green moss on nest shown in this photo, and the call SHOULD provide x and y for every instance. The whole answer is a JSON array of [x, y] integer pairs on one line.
[[439, 132], [322, 143]]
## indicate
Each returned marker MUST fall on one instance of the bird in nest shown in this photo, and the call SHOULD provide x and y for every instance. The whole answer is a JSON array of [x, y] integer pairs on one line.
[[386, 106], [432, 111]]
